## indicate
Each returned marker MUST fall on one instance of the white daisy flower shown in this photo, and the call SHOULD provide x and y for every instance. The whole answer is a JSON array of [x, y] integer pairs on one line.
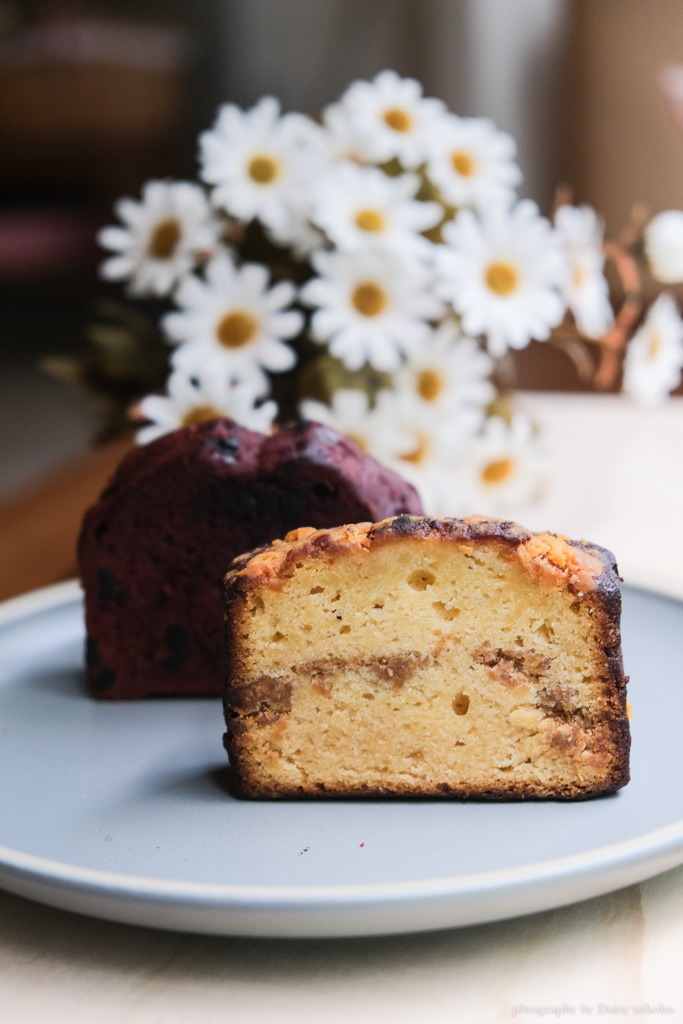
[[663, 238], [654, 357], [450, 372], [262, 164], [371, 307], [473, 163], [299, 235], [425, 443], [360, 205], [502, 469], [341, 137], [189, 401], [392, 116], [232, 324], [503, 272], [586, 290], [374, 429], [162, 237], [400, 432]]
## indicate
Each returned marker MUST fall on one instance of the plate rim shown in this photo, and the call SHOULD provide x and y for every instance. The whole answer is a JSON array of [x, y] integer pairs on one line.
[[632, 859], [665, 840]]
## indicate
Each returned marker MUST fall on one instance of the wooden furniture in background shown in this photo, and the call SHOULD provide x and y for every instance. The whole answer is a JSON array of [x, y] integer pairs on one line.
[[39, 528], [625, 146]]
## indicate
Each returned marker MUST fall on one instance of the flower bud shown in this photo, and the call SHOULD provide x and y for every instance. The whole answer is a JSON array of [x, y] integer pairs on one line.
[[663, 238]]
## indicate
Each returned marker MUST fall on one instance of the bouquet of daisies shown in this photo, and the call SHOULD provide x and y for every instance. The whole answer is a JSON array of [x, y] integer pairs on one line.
[[372, 271]]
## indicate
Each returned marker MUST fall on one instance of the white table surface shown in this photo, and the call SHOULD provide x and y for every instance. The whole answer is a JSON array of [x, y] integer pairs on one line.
[[616, 477], [618, 480]]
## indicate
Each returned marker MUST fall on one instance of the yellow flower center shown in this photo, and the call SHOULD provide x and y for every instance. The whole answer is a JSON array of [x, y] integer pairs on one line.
[[369, 299], [198, 414], [501, 278], [429, 385], [578, 275], [370, 220], [654, 346], [236, 329], [498, 471], [263, 170], [164, 239], [398, 120], [463, 163], [419, 454]]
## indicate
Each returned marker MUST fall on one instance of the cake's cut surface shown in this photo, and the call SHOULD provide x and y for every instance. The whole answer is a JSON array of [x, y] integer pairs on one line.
[[414, 656], [154, 548]]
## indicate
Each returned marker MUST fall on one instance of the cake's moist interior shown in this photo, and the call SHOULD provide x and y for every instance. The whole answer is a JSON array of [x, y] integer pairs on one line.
[[424, 665]]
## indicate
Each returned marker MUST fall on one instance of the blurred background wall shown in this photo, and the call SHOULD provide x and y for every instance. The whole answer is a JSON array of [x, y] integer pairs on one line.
[[96, 97]]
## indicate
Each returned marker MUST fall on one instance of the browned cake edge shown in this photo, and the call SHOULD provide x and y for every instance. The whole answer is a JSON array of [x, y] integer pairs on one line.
[[583, 568]]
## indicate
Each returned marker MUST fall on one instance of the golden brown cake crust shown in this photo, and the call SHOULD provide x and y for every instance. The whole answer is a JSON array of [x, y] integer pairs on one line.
[[578, 567], [557, 560]]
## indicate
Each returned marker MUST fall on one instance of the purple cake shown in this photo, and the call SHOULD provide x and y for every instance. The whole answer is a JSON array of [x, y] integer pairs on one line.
[[155, 547]]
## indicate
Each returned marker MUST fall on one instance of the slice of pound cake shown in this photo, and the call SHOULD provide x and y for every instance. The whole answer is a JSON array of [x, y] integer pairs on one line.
[[424, 657]]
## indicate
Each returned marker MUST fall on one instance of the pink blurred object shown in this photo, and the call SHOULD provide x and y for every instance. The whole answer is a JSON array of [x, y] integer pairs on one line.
[[36, 242], [671, 86]]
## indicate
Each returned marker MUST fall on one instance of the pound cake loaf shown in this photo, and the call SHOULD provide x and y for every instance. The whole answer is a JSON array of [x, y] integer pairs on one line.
[[154, 548], [416, 656]]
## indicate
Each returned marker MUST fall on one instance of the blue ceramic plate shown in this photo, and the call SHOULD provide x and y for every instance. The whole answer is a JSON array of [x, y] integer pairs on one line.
[[121, 810]]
